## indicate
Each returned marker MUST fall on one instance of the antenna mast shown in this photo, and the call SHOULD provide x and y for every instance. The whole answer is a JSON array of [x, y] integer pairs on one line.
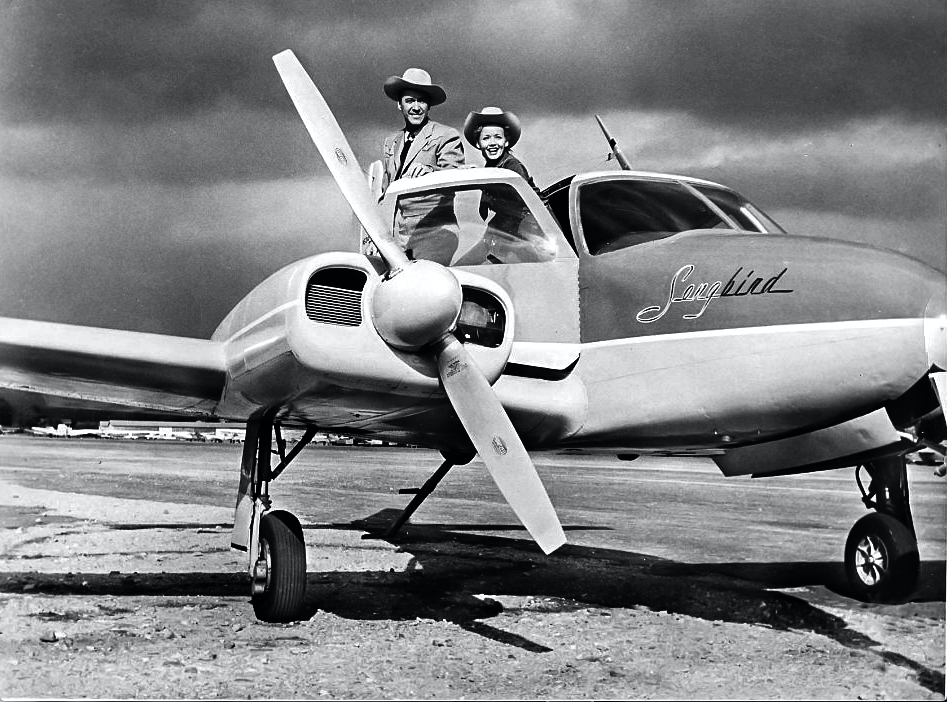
[[616, 150]]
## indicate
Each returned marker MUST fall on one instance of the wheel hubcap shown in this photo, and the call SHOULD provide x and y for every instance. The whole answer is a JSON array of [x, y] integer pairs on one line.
[[260, 581], [871, 560]]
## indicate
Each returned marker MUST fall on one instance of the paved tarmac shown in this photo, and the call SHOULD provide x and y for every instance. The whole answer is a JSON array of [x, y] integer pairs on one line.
[[134, 519]]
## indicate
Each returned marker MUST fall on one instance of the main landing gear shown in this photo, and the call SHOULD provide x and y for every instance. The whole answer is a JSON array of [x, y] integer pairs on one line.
[[273, 540], [278, 582], [881, 557]]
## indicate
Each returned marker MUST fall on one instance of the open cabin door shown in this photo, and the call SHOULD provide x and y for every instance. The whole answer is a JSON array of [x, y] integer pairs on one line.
[[490, 222]]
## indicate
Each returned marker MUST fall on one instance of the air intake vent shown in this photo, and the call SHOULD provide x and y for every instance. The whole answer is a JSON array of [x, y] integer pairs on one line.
[[482, 319], [334, 296]]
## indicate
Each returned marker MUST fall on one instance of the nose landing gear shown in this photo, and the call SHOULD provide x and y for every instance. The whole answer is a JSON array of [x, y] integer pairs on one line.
[[881, 557]]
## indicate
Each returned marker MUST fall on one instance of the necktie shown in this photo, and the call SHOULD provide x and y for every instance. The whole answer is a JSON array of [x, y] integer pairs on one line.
[[408, 139]]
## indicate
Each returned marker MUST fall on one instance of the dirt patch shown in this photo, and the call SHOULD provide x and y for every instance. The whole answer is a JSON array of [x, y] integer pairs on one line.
[[453, 621], [12, 517], [112, 596]]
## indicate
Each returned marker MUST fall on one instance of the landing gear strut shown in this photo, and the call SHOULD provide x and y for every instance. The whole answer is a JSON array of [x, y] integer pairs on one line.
[[273, 540], [881, 557]]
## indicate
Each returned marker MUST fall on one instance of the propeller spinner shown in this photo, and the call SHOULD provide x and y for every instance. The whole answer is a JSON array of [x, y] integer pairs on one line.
[[415, 308]]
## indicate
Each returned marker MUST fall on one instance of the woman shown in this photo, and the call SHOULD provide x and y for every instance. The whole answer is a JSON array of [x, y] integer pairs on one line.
[[512, 234]]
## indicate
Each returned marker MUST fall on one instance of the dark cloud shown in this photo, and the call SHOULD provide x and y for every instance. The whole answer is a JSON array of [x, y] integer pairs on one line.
[[912, 193], [225, 145], [119, 61], [170, 259], [795, 64], [133, 62], [179, 91], [135, 96], [827, 180], [788, 62], [125, 284]]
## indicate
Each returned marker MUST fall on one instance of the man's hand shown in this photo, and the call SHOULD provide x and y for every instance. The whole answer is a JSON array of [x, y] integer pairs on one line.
[[368, 247], [417, 169]]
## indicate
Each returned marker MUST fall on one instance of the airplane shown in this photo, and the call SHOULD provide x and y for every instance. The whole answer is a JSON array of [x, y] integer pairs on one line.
[[64, 430], [60, 430], [111, 433], [231, 435], [167, 434], [627, 313]]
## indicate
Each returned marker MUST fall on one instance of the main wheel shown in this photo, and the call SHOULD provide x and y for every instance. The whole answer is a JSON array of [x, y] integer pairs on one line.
[[881, 559], [280, 574]]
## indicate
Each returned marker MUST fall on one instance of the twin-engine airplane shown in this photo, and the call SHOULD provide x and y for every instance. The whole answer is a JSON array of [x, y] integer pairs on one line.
[[622, 312]]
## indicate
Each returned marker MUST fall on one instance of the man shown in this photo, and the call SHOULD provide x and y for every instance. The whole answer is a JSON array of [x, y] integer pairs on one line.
[[427, 226]]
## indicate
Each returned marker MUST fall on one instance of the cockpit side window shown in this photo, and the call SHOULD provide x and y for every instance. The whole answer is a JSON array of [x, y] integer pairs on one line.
[[616, 214], [470, 226]]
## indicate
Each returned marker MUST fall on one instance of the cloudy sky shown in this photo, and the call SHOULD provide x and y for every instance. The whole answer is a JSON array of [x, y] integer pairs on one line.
[[153, 170]]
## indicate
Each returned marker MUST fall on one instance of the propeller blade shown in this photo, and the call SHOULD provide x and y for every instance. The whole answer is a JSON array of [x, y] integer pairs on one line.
[[479, 409], [497, 442], [338, 155]]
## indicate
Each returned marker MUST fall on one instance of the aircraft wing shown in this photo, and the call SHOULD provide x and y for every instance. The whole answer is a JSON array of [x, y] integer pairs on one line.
[[95, 367]]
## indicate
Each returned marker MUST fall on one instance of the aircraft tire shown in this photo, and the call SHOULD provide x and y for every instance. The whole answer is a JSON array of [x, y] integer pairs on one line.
[[881, 559], [281, 543]]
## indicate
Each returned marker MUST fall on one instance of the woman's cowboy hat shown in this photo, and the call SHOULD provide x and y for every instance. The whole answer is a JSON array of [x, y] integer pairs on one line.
[[415, 79], [496, 117]]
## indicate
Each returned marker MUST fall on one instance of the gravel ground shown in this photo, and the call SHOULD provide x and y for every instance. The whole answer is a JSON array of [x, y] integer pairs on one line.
[[106, 596]]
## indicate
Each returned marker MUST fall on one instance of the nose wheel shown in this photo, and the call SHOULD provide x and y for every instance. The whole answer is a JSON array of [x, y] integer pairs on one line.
[[278, 580], [881, 559]]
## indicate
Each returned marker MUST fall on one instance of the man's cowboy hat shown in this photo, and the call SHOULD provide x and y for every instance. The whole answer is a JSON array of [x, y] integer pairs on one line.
[[415, 79], [496, 117]]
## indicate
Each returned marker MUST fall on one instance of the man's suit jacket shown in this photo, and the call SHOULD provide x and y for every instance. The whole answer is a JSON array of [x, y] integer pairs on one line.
[[426, 224], [436, 146]]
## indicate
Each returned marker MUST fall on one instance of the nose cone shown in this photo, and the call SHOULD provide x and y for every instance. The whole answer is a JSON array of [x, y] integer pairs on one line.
[[416, 306], [872, 283], [919, 292]]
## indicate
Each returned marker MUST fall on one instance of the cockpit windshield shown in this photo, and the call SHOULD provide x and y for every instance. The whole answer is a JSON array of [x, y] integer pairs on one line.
[[743, 212], [619, 213], [471, 225]]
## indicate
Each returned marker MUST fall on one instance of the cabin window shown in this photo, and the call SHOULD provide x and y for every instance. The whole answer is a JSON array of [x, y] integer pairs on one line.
[[557, 202], [617, 214], [479, 225]]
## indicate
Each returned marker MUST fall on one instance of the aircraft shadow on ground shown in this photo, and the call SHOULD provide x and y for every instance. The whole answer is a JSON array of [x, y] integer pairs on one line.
[[450, 566]]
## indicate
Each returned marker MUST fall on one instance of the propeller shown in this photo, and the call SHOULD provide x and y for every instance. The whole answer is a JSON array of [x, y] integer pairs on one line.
[[415, 308]]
